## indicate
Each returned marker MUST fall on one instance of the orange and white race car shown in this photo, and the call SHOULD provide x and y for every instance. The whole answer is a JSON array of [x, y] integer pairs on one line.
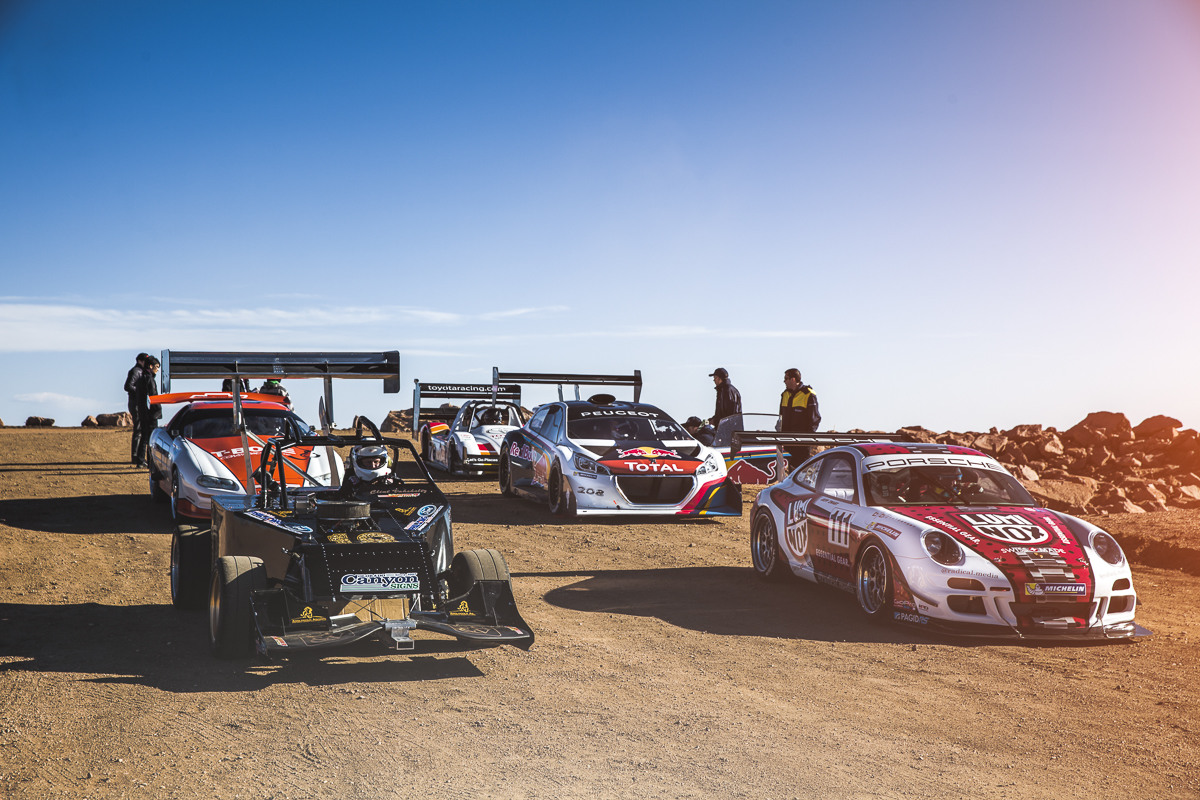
[[199, 453]]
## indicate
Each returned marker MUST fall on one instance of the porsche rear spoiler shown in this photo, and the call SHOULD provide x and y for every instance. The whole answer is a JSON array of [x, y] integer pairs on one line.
[[830, 439], [568, 378], [457, 391]]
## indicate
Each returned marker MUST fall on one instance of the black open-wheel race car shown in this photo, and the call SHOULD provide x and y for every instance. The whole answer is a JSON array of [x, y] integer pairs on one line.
[[292, 568]]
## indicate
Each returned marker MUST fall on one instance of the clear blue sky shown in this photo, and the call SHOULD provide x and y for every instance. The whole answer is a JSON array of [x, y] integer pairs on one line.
[[959, 215]]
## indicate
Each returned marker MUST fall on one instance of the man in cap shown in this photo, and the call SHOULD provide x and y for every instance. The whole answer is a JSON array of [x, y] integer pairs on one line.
[[132, 378], [729, 399]]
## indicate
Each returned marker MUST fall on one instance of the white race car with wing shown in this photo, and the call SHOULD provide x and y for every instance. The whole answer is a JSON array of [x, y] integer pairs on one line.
[[469, 442], [939, 537]]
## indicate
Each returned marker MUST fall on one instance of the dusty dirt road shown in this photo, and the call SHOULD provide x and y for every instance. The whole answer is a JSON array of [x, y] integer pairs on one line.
[[662, 669]]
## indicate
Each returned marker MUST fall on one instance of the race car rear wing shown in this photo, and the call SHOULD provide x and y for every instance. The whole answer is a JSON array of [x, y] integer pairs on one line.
[[198, 364], [830, 439], [567, 378], [457, 391]]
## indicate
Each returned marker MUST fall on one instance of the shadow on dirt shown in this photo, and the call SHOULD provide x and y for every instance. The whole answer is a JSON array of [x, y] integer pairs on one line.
[[102, 513], [157, 646], [500, 510], [732, 601]]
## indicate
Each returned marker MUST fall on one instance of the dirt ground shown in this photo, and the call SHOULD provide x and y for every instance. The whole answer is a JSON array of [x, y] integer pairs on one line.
[[662, 669]]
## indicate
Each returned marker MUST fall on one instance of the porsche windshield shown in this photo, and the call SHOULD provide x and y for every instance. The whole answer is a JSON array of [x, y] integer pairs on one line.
[[944, 486]]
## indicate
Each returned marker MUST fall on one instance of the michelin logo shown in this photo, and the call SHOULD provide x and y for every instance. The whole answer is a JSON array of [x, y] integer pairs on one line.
[[355, 583]]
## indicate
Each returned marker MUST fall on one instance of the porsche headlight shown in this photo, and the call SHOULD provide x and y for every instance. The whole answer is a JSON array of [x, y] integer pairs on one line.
[[942, 548], [589, 466], [213, 482], [1107, 548], [709, 465]]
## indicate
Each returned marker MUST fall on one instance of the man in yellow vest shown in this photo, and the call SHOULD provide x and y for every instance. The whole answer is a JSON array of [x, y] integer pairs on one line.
[[798, 413]]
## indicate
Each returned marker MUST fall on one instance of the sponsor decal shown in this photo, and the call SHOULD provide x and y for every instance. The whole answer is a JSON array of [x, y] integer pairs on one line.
[[886, 530], [462, 609], [401, 494], [374, 537], [427, 511], [338, 538], [307, 616], [647, 452], [1054, 589], [652, 466], [418, 524], [522, 451], [617, 412], [905, 616], [836, 558], [795, 527], [1010, 528], [271, 519], [910, 460], [278, 640], [356, 583]]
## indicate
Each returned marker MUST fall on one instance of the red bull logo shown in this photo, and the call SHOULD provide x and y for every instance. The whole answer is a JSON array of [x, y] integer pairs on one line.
[[646, 452]]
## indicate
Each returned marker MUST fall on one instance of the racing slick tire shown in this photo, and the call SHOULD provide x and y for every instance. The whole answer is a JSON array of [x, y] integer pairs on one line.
[[559, 495], [873, 582], [231, 631], [156, 492], [505, 475], [426, 450], [765, 556], [191, 566], [176, 517], [475, 565]]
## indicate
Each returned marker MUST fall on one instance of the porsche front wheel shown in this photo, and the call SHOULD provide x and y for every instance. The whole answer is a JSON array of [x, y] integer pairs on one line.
[[873, 582]]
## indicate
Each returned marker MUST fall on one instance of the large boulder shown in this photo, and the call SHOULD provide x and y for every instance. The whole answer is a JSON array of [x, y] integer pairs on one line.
[[1156, 426], [397, 422], [121, 419], [38, 422], [89, 422]]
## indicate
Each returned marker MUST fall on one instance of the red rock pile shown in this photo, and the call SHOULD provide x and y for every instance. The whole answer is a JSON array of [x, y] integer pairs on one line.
[[1102, 465]]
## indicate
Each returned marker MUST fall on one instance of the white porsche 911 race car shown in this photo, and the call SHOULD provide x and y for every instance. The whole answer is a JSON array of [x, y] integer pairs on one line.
[[939, 537], [604, 456], [469, 443]]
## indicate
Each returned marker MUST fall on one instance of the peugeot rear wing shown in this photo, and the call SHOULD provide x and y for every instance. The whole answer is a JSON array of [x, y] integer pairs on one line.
[[569, 378], [459, 391]]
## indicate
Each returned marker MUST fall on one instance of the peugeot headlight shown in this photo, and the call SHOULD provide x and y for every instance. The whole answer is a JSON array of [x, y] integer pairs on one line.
[[1106, 547], [213, 482], [709, 465], [942, 548], [589, 466]]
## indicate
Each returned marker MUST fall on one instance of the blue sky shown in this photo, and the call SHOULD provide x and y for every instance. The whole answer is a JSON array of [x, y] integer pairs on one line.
[[959, 215]]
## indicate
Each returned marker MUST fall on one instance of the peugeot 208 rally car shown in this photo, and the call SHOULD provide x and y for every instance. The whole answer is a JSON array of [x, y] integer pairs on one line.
[[604, 456]]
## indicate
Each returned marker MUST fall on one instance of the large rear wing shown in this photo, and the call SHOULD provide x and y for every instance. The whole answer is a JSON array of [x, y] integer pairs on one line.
[[211, 365], [831, 439], [457, 391], [568, 378]]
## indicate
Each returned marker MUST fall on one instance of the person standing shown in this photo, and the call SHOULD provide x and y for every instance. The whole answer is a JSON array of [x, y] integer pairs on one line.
[[273, 386], [798, 413], [149, 414], [729, 399], [131, 384]]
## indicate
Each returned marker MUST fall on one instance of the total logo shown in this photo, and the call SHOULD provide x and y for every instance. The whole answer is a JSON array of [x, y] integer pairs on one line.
[[646, 452], [653, 466]]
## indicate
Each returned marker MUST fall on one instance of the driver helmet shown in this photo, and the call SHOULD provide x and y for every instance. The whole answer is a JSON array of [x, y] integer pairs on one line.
[[370, 461], [624, 429], [490, 416], [950, 478]]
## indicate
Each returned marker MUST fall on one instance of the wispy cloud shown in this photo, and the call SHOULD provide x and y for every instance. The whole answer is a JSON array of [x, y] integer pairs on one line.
[[64, 402], [522, 312]]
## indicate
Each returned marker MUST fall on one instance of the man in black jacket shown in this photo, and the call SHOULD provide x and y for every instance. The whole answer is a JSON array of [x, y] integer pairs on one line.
[[147, 414], [131, 384], [729, 399], [798, 413]]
